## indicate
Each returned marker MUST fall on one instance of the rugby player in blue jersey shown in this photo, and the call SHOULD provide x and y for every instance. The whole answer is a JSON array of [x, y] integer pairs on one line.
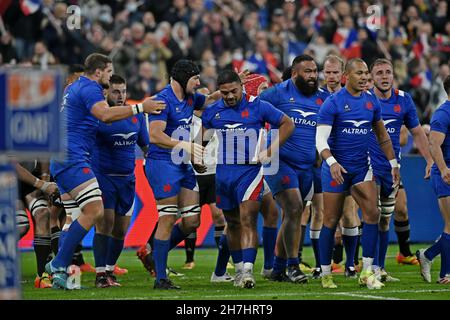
[[397, 108], [342, 140], [440, 178], [239, 119], [113, 164], [300, 98], [168, 167], [84, 106]]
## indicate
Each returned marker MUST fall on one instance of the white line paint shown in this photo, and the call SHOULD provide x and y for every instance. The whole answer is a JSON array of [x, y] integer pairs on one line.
[[304, 294]]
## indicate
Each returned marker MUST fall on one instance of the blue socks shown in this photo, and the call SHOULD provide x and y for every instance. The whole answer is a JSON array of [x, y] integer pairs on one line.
[[100, 244], [326, 244], [160, 253], [236, 256], [62, 237], [223, 256], [369, 239], [115, 247], [74, 235], [279, 265], [249, 255], [314, 236], [269, 237], [445, 254], [383, 239], [434, 250], [176, 237], [350, 241], [292, 262]]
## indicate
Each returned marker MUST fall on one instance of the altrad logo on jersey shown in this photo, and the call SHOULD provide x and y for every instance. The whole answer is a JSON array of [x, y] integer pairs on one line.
[[303, 120], [356, 130]]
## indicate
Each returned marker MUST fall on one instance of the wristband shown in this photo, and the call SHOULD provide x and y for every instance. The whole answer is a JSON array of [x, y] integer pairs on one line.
[[330, 161], [137, 108], [36, 181], [393, 163]]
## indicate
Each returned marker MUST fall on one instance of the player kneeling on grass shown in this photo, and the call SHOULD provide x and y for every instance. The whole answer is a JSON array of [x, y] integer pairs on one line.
[[239, 120], [113, 164]]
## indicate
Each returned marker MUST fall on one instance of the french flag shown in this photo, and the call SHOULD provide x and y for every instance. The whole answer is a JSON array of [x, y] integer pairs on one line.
[[30, 6]]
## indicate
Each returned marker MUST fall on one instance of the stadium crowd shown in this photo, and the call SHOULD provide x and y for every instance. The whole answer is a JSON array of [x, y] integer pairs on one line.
[[145, 38]]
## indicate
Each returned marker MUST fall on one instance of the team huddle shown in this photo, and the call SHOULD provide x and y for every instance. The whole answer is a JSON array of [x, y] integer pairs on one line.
[[244, 149]]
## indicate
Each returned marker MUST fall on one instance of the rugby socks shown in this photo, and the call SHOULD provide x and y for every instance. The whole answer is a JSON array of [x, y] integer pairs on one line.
[[383, 243], [369, 242], [249, 257], [189, 246], [350, 240], [292, 262], [152, 236], [279, 265], [402, 229], [100, 244], [358, 244], [434, 250], [338, 253], [115, 247], [176, 237], [269, 238], [326, 241], [445, 255], [218, 231], [42, 249], [315, 235], [62, 237], [236, 256], [302, 239], [223, 256], [78, 256], [75, 234], [55, 234], [160, 254]]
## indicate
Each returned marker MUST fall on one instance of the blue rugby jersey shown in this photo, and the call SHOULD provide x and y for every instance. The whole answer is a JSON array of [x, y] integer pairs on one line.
[[239, 123], [351, 119], [440, 122], [399, 109], [78, 100], [116, 143], [178, 116], [299, 150]]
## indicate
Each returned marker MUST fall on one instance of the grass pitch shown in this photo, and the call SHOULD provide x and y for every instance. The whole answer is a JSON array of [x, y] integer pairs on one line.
[[195, 284]]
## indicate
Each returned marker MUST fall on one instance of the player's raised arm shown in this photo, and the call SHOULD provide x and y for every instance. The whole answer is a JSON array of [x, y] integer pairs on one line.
[[102, 111], [385, 144]]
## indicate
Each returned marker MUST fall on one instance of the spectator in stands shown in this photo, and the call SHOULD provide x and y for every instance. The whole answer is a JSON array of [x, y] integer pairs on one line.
[[42, 57]]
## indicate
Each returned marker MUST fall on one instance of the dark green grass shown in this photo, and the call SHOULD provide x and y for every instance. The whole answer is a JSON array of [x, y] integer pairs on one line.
[[195, 284]]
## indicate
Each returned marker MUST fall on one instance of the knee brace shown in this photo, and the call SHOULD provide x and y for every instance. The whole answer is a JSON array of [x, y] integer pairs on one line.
[[167, 210], [190, 211], [89, 194], [386, 207]]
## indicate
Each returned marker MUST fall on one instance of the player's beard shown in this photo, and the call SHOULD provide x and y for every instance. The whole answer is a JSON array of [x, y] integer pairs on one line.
[[305, 87]]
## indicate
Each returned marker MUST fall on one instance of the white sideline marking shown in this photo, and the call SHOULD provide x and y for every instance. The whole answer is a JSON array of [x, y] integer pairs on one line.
[[318, 294], [364, 296]]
